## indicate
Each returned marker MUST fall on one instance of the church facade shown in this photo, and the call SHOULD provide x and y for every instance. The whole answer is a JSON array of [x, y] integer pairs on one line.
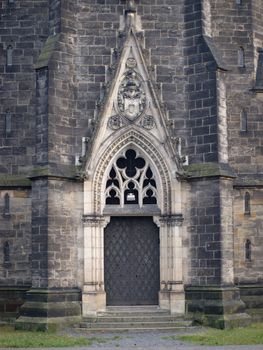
[[131, 159]]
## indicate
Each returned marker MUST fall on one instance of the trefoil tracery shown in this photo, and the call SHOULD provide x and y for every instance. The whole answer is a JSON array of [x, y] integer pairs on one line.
[[131, 181]]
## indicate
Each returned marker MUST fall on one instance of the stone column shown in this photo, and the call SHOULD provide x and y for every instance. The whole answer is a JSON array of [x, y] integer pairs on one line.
[[171, 295], [94, 296]]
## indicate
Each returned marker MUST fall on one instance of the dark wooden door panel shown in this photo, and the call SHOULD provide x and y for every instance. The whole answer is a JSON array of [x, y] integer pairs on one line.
[[131, 259]]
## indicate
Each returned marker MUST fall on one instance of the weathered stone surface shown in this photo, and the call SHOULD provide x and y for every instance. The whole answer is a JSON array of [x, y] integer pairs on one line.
[[64, 58]]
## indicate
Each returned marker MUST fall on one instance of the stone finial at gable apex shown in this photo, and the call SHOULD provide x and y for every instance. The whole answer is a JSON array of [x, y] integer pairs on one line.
[[131, 7], [130, 14], [130, 18]]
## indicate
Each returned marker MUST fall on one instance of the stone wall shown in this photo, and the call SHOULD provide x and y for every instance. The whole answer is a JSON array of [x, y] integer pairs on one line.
[[62, 117], [64, 56], [248, 226], [233, 27], [24, 27], [15, 263], [200, 90], [15, 249]]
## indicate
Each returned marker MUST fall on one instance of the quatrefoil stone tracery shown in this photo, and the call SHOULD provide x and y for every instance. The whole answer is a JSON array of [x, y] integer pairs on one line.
[[131, 181]]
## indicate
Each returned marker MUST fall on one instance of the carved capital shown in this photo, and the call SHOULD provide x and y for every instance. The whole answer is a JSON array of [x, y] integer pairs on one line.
[[95, 220], [175, 282], [171, 285], [171, 220]]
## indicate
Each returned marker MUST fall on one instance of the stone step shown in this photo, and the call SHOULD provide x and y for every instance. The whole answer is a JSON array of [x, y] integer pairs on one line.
[[132, 318], [133, 329], [134, 325], [129, 325], [133, 311]]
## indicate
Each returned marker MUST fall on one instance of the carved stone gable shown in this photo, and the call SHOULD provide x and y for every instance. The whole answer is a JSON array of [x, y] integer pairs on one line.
[[131, 102]]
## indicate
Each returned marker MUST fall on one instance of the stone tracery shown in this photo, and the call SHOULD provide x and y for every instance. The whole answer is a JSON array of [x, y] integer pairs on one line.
[[141, 142], [131, 181]]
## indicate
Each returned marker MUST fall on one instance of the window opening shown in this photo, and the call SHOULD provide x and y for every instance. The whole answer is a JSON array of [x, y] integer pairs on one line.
[[241, 58], [243, 120], [247, 203], [6, 205], [8, 123], [131, 181], [239, 2], [6, 250], [9, 56], [248, 250]]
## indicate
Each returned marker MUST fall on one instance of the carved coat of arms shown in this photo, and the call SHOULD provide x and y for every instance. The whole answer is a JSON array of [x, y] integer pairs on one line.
[[131, 96]]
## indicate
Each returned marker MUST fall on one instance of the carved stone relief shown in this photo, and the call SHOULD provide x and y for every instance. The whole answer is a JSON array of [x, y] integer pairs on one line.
[[131, 96], [115, 122], [147, 122], [130, 105]]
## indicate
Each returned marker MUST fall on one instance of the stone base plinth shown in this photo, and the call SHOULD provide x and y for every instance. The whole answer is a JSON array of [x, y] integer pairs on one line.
[[177, 302], [47, 308], [164, 300], [92, 303], [172, 300], [219, 307], [11, 299], [252, 295]]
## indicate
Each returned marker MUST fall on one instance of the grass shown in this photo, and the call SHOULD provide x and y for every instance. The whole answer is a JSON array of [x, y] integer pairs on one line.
[[21, 339], [238, 336]]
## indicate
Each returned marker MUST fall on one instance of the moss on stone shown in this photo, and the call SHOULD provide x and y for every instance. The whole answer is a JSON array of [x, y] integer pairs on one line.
[[249, 181], [54, 170], [7, 180], [47, 52], [39, 171], [208, 170]]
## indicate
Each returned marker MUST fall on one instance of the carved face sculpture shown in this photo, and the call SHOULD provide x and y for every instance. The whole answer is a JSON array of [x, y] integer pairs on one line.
[[131, 97]]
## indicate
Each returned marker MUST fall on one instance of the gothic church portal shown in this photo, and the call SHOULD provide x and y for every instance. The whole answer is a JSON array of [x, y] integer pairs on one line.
[[130, 174], [131, 159]]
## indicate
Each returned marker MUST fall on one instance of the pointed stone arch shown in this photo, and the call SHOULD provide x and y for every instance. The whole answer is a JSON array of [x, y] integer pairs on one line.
[[148, 149]]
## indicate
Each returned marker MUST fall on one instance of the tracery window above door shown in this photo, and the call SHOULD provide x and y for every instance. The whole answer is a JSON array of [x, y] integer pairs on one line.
[[131, 181]]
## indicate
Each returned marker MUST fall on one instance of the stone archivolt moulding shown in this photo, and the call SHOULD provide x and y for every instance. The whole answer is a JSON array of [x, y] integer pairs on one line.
[[148, 151]]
